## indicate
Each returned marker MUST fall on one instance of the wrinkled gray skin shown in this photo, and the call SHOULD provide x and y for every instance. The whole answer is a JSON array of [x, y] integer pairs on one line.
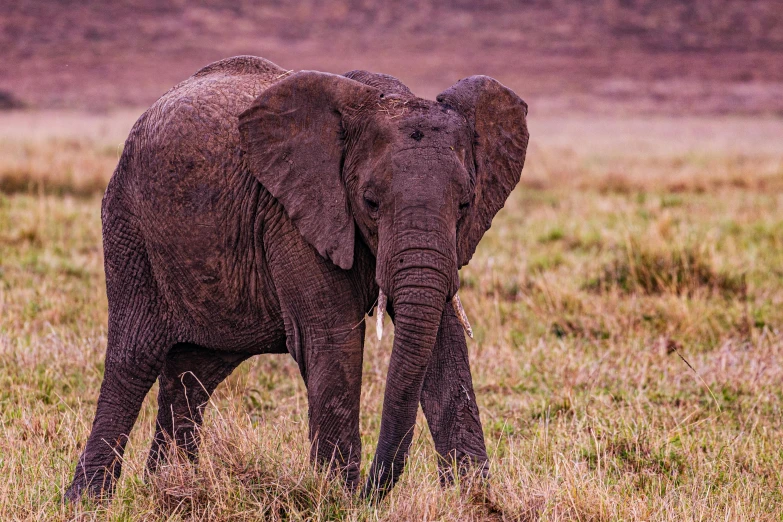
[[255, 211]]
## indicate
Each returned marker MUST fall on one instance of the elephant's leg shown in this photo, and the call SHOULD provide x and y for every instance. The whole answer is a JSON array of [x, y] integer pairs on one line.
[[189, 376], [323, 309], [449, 403], [119, 402], [334, 381], [138, 339]]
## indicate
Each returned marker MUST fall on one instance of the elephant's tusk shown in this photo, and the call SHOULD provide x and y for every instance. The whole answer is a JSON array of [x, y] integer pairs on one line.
[[379, 313], [461, 315]]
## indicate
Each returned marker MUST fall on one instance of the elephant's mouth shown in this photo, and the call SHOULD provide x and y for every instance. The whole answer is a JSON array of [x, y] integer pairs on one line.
[[456, 303]]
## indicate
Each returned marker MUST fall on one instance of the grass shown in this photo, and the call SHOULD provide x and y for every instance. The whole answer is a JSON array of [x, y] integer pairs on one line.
[[627, 251]]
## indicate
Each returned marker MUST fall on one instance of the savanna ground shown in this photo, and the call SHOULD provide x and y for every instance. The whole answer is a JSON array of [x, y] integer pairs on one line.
[[628, 357]]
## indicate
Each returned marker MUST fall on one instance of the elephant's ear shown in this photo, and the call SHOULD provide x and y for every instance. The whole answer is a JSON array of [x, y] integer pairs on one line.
[[498, 117], [292, 141]]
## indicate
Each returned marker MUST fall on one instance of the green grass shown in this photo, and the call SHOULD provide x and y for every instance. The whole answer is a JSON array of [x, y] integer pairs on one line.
[[587, 296]]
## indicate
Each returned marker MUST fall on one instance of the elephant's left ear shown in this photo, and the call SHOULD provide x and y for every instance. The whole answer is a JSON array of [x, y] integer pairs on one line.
[[292, 141], [498, 119]]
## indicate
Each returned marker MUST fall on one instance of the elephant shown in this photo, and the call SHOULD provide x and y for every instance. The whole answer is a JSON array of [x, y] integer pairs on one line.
[[258, 210]]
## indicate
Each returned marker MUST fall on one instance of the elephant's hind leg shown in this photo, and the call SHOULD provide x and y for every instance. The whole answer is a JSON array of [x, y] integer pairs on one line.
[[189, 376], [138, 339]]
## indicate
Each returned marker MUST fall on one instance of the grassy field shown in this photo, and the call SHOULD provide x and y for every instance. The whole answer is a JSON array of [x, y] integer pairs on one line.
[[628, 357]]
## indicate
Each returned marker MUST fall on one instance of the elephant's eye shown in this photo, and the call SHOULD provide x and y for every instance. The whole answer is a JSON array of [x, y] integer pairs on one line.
[[371, 203], [464, 206]]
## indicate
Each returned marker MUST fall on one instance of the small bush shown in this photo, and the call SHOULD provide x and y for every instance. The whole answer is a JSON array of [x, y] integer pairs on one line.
[[8, 101], [681, 271]]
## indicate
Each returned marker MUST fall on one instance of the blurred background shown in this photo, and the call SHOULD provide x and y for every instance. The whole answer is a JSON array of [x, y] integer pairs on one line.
[[665, 56]]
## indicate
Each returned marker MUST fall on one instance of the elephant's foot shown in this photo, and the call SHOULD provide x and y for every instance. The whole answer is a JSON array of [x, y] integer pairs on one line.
[[349, 473], [470, 469], [98, 485], [337, 464]]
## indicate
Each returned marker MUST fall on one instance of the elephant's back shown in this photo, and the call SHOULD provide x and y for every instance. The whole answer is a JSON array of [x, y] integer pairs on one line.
[[224, 89], [241, 65], [191, 132]]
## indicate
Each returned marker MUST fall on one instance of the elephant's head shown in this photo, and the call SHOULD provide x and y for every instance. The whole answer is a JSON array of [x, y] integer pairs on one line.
[[420, 180]]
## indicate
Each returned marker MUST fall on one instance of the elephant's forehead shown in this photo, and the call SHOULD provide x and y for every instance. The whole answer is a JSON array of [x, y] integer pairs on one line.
[[435, 124], [408, 111]]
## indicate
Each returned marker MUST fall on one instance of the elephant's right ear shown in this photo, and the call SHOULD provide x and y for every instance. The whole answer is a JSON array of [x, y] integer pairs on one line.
[[292, 141]]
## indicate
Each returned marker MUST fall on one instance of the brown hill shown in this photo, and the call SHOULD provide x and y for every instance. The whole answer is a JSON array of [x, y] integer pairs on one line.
[[617, 55]]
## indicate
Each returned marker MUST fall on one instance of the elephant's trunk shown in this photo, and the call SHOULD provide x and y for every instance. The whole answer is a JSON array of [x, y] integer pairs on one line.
[[456, 303], [419, 291]]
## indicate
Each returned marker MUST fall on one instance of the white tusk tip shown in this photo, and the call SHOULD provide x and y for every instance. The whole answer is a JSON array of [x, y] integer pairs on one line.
[[461, 315], [379, 311]]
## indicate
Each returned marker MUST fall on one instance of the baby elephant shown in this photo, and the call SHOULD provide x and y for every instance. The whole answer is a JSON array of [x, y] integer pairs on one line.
[[255, 210]]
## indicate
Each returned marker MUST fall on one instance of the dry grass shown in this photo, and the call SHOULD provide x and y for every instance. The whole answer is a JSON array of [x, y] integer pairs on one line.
[[583, 298]]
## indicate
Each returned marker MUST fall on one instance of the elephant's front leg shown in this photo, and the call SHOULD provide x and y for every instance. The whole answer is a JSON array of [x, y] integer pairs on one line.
[[323, 308], [334, 378], [449, 403]]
